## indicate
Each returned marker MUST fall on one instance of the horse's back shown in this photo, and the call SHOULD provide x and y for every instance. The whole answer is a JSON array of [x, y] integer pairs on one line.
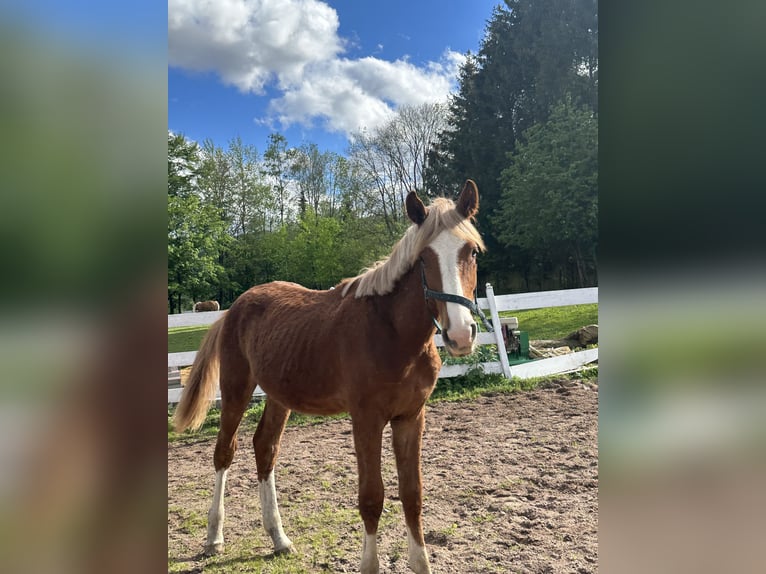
[[290, 302]]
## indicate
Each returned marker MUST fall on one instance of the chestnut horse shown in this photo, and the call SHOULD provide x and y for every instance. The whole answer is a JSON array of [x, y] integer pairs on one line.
[[365, 347]]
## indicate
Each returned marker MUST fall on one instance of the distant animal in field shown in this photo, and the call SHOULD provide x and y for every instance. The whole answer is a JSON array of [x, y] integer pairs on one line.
[[206, 306]]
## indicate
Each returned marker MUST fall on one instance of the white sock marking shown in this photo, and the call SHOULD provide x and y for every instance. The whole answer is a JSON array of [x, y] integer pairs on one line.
[[272, 521], [216, 514], [370, 554], [417, 555]]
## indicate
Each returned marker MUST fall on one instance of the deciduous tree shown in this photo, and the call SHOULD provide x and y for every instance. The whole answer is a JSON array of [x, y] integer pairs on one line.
[[196, 232]]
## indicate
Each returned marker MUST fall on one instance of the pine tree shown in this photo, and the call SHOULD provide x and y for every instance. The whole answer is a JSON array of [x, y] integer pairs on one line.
[[533, 55]]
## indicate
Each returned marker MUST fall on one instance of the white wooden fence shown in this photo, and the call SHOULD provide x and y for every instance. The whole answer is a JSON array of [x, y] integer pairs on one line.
[[495, 304]]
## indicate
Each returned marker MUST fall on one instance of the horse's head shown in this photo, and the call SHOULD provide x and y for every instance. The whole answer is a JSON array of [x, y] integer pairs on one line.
[[448, 264]]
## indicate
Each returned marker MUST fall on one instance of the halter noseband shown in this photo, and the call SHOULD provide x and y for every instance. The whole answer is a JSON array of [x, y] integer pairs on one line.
[[452, 298]]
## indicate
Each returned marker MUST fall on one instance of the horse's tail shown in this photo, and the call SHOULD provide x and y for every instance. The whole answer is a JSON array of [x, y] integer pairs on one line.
[[199, 390]]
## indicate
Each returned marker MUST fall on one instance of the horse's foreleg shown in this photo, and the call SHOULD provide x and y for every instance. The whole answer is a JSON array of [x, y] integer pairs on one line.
[[407, 434], [266, 445], [368, 435]]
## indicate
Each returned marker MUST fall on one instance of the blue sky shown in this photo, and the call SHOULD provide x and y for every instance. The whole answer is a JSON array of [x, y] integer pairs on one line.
[[314, 71]]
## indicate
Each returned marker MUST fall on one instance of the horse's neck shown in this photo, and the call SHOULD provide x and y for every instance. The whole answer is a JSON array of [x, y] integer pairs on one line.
[[408, 313]]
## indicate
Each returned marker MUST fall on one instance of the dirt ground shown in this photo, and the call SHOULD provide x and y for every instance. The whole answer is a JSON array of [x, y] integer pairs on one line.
[[510, 485]]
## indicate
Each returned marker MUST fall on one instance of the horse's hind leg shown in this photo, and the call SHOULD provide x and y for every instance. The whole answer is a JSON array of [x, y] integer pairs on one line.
[[236, 391], [266, 445]]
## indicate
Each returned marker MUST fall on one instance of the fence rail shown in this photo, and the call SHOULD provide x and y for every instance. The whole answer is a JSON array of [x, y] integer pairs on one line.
[[495, 305]]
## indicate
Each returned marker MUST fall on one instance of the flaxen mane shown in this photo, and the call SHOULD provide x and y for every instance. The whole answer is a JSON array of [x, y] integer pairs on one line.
[[382, 276]]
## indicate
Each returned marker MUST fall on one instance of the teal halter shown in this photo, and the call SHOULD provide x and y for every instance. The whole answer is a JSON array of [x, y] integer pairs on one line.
[[452, 298]]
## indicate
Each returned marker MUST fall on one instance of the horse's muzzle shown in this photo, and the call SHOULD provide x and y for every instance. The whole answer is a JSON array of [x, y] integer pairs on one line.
[[459, 347]]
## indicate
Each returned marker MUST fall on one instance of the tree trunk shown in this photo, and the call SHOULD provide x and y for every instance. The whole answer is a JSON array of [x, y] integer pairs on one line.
[[579, 264]]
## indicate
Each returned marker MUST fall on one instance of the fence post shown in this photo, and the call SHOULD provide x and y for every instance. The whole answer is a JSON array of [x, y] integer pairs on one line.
[[498, 331]]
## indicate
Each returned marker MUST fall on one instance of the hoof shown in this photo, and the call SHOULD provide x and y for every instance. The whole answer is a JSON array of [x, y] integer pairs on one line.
[[418, 562], [285, 550], [213, 549]]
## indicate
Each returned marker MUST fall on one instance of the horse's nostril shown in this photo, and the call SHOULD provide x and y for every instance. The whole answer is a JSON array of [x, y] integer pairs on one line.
[[473, 331]]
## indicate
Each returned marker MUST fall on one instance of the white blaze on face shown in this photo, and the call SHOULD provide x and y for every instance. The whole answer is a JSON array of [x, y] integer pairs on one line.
[[447, 246]]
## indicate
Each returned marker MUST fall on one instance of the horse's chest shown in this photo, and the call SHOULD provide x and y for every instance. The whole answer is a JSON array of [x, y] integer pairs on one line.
[[418, 373]]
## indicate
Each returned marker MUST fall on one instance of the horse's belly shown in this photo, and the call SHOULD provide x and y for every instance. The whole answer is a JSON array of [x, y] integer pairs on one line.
[[309, 403], [312, 391]]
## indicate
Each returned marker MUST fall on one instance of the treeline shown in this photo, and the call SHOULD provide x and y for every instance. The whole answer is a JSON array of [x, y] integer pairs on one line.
[[523, 125], [238, 218]]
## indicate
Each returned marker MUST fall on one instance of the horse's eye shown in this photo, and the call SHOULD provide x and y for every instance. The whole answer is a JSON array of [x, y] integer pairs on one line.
[[474, 253]]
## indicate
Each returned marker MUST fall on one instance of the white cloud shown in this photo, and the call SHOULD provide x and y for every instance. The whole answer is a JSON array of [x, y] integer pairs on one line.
[[347, 95], [294, 45], [249, 42]]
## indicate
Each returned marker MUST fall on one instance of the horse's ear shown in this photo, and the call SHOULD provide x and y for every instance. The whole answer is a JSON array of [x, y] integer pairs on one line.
[[416, 211], [468, 202]]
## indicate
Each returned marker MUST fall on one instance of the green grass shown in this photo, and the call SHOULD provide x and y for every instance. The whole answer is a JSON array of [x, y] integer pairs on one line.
[[554, 322], [185, 338], [316, 537], [476, 383], [547, 323]]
